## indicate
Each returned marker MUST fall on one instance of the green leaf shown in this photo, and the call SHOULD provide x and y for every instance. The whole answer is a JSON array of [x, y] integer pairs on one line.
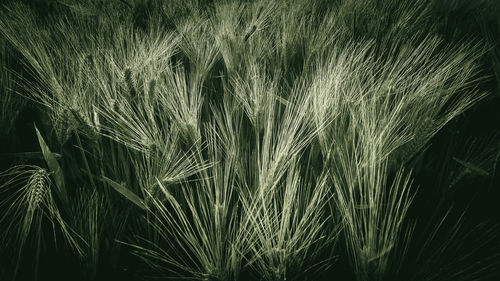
[[125, 192], [54, 167], [471, 167], [29, 155]]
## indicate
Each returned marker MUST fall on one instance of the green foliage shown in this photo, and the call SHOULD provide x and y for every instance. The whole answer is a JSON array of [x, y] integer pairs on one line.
[[54, 167], [254, 140], [125, 192]]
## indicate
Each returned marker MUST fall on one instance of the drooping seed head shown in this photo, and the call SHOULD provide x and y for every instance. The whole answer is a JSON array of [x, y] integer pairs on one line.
[[38, 186]]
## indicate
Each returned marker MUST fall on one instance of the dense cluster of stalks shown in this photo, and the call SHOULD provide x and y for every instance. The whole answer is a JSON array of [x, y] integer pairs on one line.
[[254, 140]]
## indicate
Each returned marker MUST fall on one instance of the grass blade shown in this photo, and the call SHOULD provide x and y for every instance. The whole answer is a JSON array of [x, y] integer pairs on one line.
[[54, 167], [125, 192]]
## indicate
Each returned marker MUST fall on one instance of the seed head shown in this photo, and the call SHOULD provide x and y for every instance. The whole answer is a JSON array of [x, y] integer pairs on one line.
[[38, 186]]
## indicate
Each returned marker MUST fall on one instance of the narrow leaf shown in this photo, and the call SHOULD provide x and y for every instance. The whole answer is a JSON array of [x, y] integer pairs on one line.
[[471, 167], [55, 168], [125, 192], [29, 155]]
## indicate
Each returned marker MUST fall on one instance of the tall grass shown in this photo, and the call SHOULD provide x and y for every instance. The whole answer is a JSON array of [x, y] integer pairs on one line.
[[379, 127], [28, 203], [10, 104], [239, 141], [284, 214], [196, 225]]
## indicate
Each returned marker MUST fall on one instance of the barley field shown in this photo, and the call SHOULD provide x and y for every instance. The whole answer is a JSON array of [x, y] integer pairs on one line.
[[224, 140]]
